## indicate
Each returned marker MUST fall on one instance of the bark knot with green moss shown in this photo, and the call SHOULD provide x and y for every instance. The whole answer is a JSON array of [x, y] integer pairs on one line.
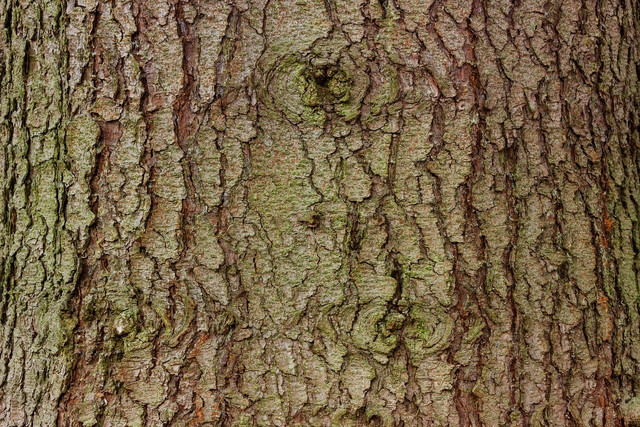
[[325, 85], [305, 90]]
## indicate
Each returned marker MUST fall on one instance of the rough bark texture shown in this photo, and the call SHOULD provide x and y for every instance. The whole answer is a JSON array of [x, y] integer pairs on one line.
[[285, 212]]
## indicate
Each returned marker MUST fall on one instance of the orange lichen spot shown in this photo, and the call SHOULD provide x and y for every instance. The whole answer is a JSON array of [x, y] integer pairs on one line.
[[603, 301], [198, 418]]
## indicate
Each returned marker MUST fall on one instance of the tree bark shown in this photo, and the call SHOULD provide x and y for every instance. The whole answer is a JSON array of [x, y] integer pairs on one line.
[[279, 212]]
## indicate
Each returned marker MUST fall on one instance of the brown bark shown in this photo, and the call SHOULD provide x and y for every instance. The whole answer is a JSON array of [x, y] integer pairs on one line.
[[280, 212]]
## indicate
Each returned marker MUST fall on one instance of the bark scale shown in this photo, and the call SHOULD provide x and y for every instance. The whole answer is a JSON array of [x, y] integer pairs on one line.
[[335, 212]]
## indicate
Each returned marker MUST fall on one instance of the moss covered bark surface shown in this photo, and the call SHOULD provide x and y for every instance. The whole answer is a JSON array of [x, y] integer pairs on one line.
[[278, 212]]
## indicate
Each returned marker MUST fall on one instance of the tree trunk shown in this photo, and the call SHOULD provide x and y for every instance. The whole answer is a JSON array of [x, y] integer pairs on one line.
[[279, 212]]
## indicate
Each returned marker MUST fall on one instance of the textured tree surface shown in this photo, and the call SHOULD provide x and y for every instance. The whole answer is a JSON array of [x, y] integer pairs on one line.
[[308, 212]]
